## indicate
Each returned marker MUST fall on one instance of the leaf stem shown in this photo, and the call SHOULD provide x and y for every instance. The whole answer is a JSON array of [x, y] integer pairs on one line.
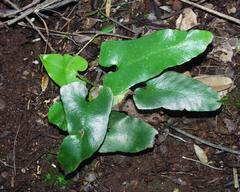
[[81, 77]]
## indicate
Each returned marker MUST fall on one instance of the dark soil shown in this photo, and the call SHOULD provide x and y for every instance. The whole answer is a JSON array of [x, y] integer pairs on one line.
[[29, 145]]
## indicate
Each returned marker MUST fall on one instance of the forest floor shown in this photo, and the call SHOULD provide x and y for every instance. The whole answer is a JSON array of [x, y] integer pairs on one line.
[[29, 144]]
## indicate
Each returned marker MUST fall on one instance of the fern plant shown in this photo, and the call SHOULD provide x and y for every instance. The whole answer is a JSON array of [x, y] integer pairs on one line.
[[88, 118]]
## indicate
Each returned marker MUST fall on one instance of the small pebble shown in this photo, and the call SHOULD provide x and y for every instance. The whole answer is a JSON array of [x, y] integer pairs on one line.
[[23, 170], [4, 134], [40, 122], [36, 62], [2, 105], [36, 40], [90, 177], [88, 188], [25, 73], [4, 174]]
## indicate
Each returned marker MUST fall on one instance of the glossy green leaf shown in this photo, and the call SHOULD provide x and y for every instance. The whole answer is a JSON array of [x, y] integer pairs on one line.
[[71, 152], [86, 123], [176, 91], [127, 134], [56, 115], [63, 69], [141, 59], [108, 29]]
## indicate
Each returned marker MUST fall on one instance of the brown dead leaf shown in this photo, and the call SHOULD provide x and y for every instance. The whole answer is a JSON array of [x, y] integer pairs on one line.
[[232, 8], [217, 82], [201, 154], [81, 38], [187, 73], [186, 20], [89, 22], [44, 82], [224, 48], [226, 52]]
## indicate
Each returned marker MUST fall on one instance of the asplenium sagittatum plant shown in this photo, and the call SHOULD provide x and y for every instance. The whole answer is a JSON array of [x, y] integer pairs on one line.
[[88, 118]]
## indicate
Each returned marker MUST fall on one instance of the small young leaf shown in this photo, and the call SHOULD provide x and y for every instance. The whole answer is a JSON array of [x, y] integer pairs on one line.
[[108, 28], [72, 152], [176, 91], [56, 115], [200, 154], [63, 69], [141, 59], [127, 134], [86, 123]]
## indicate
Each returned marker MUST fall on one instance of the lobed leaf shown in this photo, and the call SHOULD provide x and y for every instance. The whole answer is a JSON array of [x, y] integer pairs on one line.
[[63, 69], [86, 123], [56, 115], [176, 91], [127, 134], [141, 59]]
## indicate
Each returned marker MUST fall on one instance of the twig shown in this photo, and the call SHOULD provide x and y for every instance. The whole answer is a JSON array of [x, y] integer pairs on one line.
[[86, 44], [14, 150], [33, 26], [194, 160], [91, 32], [62, 3], [120, 24], [237, 152], [47, 31], [177, 137], [202, 1], [224, 16], [235, 178], [12, 13], [86, 80], [41, 35], [29, 11], [6, 164], [53, 32], [14, 157], [49, 4]]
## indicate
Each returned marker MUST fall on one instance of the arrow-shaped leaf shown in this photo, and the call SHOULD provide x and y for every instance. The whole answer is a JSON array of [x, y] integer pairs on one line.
[[56, 115], [63, 69], [176, 91], [127, 134], [141, 59], [86, 123]]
